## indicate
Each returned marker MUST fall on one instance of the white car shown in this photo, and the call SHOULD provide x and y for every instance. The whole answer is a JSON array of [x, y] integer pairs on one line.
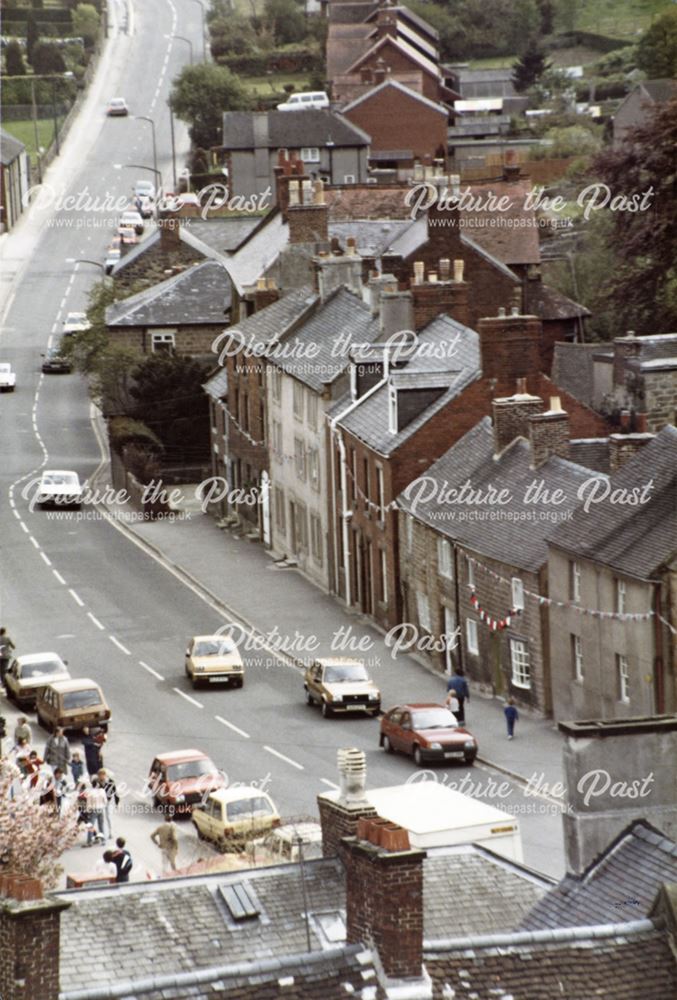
[[300, 102], [130, 217], [75, 322], [111, 259], [7, 377], [59, 487], [28, 674], [144, 189], [117, 106]]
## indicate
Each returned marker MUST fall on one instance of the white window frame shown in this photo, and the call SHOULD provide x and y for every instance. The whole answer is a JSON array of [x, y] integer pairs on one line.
[[349, 178], [316, 538], [623, 678], [276, 384], [621, 596], [160, 338], [311, 411], [297, 403], [392, 409], [445, 562], [410, 532], [517, 588], [577, 651], [423, 611], [277, 441], [300, 464], [575, 571], [519, 663], [313, 456], [384, 576], [472, 636], [470, 570], [310, 154]]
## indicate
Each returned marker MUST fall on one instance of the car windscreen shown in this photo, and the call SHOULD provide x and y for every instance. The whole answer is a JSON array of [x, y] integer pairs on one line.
[[345, 672], [246, 807], [81, 699], [41, 669], [189, 769], [434, 718], [214, 647], [59, 479]]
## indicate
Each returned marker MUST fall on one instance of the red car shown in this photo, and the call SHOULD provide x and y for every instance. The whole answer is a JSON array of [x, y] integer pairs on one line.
[[428, 732], [182, 779]]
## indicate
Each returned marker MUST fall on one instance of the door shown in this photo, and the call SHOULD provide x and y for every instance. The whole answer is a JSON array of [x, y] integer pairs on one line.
[[405, 734], [265, 507], [292, 527]]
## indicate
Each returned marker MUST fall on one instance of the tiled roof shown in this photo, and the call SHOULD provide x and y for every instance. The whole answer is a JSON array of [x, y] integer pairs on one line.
[[619, 885], [267, 325], [371, 236], [376, 202], [405, 91], [516, 240], [660, 91], [615, 962], [548, 303], [639, 539], [224, 235], [519, 537], [346, 13], [573, 369], [344, 43], [217, 385], [200, 294], [423, 62], [10, 148], [405, 13], [324, 332], [289, 129]]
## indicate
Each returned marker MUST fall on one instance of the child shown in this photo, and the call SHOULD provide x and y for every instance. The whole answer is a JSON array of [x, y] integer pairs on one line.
[[453, 704], [511, 716], [77, 767]]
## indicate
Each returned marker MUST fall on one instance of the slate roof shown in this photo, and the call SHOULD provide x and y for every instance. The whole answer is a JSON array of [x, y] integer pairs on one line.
[[514, 242], [259, 250], [372, 236], [395, 85], [408, 241], [660, 91], [224, 235], [200, 294], [289, 129], [548, 303], [325, 332], [616, 962], [634, 540], [459, 346], [404, 12], [621, 884], [269, 324], [518, 538], [216, 385], [10, 148], [344, 42], [593, 453]]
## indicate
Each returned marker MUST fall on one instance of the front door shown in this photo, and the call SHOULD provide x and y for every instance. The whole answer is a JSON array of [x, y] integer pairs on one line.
[[265, 507], [292, 527]]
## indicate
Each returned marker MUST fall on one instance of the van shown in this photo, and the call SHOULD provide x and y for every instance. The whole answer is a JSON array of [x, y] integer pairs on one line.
[[230, 817], [72, 705], [299, 102]]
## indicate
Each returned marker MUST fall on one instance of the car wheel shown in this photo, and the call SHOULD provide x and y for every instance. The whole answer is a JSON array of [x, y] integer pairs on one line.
[[43, 722], [194, 683], [326, 710], [418, 756], [386, 744], [239, 682], [309, 698], [469, 760], [375, 712]]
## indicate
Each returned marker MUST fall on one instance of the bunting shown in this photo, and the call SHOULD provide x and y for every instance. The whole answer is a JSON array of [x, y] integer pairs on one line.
[[494, 624]]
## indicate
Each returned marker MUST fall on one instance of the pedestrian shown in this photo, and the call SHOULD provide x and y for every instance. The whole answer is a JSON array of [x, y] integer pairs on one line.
[[167, 839], [91, 744], [511, 716], [453, 704], [84, 817], [107, 781], [107, 866], [77, 767], [31, 766], [60, 786], [57, 750], [6, 649], [96, 807], [122, 860], [459, 685], [22, 731]]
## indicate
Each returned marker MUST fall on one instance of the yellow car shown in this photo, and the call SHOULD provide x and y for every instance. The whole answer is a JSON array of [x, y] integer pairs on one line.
[[231, 816], [214, 659], [340, 684]]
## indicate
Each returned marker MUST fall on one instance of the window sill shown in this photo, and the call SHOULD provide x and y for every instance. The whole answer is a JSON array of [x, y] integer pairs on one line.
[[521, 685]]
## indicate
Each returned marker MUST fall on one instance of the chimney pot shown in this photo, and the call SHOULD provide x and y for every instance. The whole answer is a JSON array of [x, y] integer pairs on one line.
[[432, 277], [501, 311], [419, 272], [556, 405], [459, 267], [445, 268], [514, 311], [521, 386]]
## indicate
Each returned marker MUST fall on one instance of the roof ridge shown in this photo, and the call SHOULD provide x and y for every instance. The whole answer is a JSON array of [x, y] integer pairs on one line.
[[558, 935]]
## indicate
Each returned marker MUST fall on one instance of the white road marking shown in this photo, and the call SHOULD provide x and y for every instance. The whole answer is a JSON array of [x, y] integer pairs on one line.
[[46, 559], [24, 527], [288, 760], [11, 503], [116, 642], [59, 577], [150, 670], [188, 698], [225, 722], [326, 781], [77, 599], [18, 517], [95, 620], [33, 542]]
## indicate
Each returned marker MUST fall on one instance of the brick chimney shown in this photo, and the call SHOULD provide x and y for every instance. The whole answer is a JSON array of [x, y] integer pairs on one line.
[[444, 230], [439, 293], [549, 433], [623, 447], [29, 940], [386, 21], [289, 169], [511, 415], [265, 293], [170, 232], [510, 347], [341, 811], [626, 349], [335, 270], [307, 213]]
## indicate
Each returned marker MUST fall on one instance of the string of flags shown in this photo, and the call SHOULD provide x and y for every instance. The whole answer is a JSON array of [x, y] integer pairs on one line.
[[495, 624]]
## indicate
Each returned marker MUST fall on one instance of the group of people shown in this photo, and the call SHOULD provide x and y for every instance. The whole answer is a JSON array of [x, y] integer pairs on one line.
[[458, 693]]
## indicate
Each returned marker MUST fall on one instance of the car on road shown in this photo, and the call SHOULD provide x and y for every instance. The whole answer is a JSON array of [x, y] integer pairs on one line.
[[128, 235], [230, 817], [112, 257], [145, 206], [55, 362], [286, 844], [214, 659], [117, 106], [180, 779], [72, 705], [130, 217], [60, 488], [7, 377], [427, 732], [28, 674], [144, 189], [341, 684], [300, 102], [75, 322]]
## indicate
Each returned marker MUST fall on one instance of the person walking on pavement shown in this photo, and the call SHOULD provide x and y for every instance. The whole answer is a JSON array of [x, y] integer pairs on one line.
[[511, 716], [60, 786], [453, 704], [57, 750], [107, 781], [22, 731], [6, 650], [91, 744], [122, 860], [77, 767], [96, 807], [167, 839], [459, 685]]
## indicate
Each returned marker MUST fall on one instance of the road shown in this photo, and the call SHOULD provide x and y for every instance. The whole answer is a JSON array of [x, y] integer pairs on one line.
[[86, 590]]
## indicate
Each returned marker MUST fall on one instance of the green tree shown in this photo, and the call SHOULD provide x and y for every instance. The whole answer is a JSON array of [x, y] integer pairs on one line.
[[32, 36], [234, 36], [200, 95], [169, 399], [657, 48], [530, 67], [573, 140], [48, 59], [86, 23], [14, 59], [287, 21]]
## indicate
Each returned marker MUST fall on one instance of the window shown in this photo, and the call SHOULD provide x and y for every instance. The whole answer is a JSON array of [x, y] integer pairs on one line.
[[277, 439], [312, 410], [383, 581], [620, 597], [623, 679], [314, 468], [423, 610], [300, 458], [574, 581], [445, 566], [365, 476], [245, 411], [301, 527], [410, 532], [380, 492], [316, 538], [517, 593], [519, 659], [280, 518], [298, 401], [470, 570], [310, 154], [353, 475], [471, 636], [163, 342], [577, 658], [277, 384], [392, 409], [349, 178]]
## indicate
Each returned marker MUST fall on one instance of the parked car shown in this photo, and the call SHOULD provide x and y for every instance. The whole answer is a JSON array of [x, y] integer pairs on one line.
[[181, 779], [28, 674], [111, 259], [299, 102], [75, 322], [55, 362], [428, 732], [286, 844], [128, 235], [145, 206], [144, 189], [341, 684], [59, 487], [214, 659], [7, 377], [72, 705], [117, 106], [230, 817], [130, 217]]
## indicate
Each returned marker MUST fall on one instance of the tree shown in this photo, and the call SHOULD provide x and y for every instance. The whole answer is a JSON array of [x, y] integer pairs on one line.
[[287, 21], [32, 36], [657, 48], [169, 399], [14, 59], [200, 95], [86, 23], [642, 288], [234, 36], [530, 67], [47, 59], [32, 837]]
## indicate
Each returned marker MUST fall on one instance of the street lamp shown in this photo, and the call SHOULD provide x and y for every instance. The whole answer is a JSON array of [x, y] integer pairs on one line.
[[142, 166], [87, 260], [188, 43], [145, 118], [202, 23]]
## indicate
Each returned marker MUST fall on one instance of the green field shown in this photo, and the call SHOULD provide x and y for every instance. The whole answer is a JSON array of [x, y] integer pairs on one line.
[[619, 18], [24, 131], [264, 86]]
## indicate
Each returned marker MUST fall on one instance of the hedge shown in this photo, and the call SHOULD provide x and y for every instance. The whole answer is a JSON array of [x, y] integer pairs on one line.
[[124, 431], [259, 64]]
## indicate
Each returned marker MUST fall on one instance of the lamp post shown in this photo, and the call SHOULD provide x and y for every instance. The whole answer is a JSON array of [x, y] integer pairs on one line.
[[145, 118], [141, 166], [188, 43], [202, 23]]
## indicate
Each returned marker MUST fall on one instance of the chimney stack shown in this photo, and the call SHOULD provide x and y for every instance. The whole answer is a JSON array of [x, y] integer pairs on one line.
[[289, 170], [396, 312], [623, 447], [265, 293], [626, 349], [170, 234], [510, 348], [511, 415], [439, 294], [340, 811], [29, 940], [549, 433]]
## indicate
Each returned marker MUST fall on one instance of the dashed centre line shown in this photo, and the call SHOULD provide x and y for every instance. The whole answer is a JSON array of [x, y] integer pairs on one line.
[[193, 701], [46, 559], [150, 670], [33, 542], [236, 729], [59, 577], [331, 784], [116, 642], [288, 760], [96, 621], [76, 598]]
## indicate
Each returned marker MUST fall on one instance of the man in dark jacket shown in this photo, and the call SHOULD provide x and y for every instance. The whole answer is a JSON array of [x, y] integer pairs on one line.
[[459, 685], [91, 744], [6, 650]]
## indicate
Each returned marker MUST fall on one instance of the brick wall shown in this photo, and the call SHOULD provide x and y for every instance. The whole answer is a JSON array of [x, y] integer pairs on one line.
[[430, 299], [548, 435], [396, 121], [510, 348], [29, 949], [308, 223], [511, 418], [338, 821]]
